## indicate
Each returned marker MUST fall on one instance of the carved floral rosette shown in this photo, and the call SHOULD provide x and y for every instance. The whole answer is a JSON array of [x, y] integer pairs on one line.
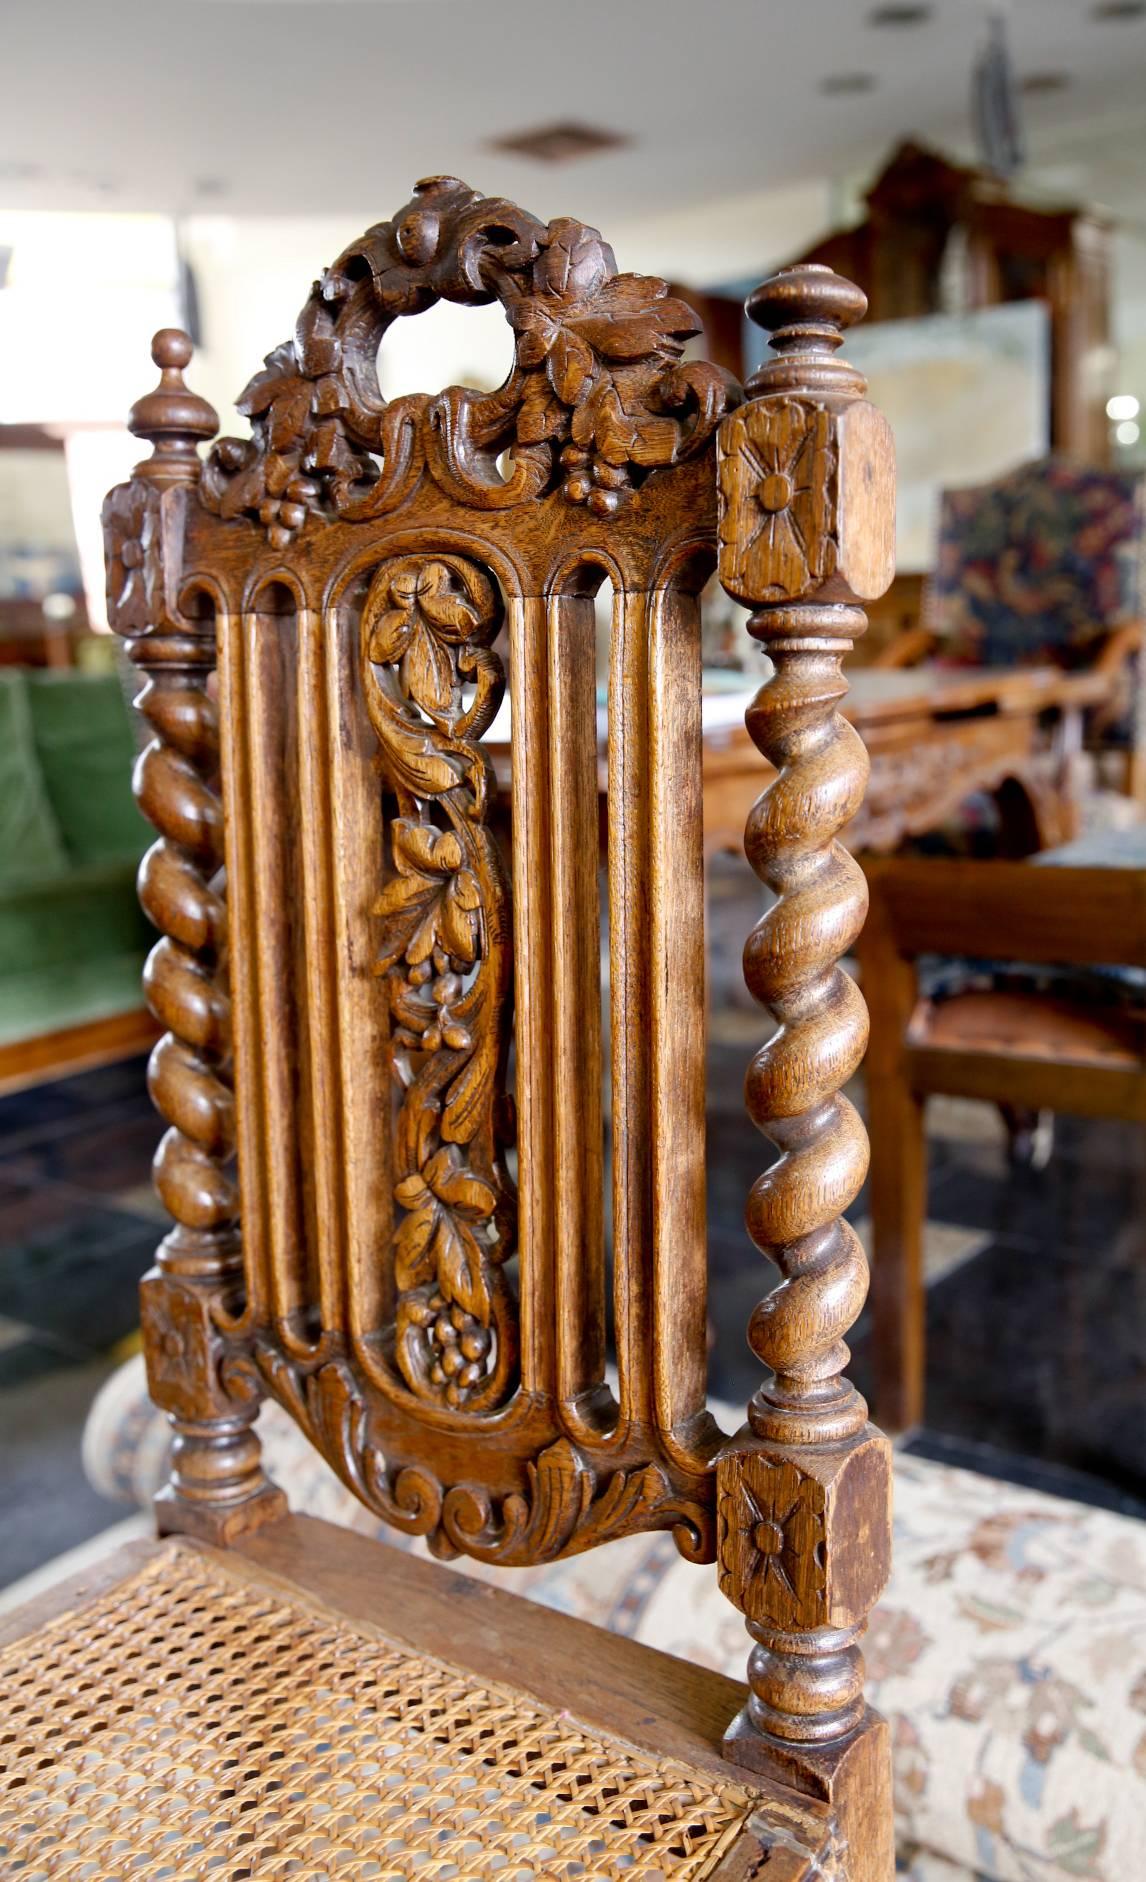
[[433, 687], [778, 490], [598, 395]]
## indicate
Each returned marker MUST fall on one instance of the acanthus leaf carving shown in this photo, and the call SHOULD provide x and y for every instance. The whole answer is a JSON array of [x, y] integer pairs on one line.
[[566, 1506], [599, 393], [433, 685]]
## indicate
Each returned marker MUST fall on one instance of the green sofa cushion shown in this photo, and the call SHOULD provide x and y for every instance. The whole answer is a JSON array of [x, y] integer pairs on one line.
[[48, 999], [79, 916], [31, 842], [83, 741]]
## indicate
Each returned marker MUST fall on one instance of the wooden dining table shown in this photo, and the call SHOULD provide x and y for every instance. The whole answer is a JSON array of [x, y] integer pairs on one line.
[[935, 735]]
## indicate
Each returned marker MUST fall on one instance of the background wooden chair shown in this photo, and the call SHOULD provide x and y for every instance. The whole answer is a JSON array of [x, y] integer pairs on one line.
[[416, 1270], [1044, 567], [1027, 1049]]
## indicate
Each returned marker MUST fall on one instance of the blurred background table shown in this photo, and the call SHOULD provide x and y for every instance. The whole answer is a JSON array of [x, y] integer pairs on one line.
[[935, 736]]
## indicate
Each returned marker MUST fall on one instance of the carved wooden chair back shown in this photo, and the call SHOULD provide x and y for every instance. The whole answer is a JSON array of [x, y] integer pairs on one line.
[[391, 1010]]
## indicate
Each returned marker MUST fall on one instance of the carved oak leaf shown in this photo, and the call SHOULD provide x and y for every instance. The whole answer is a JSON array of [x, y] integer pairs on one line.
[[434, 1241], [427, 612], [574, 261], [433, 902]]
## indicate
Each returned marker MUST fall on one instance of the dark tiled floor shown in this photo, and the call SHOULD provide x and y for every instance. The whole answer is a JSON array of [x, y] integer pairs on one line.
[[77, 1230], [1037, 1296]]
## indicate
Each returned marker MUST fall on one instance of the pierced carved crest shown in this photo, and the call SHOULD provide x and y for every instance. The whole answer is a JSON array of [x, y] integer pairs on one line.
[[599, 393], [433, 686]]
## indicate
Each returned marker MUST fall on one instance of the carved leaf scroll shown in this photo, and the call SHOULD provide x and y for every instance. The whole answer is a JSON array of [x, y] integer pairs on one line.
[[566, 1505], [433, 686], [599, 393]]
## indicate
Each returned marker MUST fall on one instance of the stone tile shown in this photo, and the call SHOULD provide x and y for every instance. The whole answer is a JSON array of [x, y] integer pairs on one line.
[[47, 1501], [78, 1280], [946, 1246]]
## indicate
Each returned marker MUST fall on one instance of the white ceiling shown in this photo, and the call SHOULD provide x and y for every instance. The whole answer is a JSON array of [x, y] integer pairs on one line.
[[321, 107]]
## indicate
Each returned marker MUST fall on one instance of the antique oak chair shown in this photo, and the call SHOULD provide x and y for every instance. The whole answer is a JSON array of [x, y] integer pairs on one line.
[[416, 1269], [1059, 1048]]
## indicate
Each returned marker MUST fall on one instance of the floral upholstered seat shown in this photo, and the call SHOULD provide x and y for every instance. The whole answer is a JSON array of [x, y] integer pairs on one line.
[[1009, 1653]]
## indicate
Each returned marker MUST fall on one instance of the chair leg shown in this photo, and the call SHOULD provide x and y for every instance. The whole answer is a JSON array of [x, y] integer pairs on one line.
[[1030, 1136], [898, 1211]]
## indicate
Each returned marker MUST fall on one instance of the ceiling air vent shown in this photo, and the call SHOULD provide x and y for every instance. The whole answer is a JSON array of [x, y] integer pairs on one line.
[[559, 143]]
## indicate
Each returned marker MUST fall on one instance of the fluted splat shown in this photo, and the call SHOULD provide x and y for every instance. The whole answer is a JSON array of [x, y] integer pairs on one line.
[[803, 1496]]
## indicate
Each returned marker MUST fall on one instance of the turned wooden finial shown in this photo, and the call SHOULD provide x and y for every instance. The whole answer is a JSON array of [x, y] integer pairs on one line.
[[806, 309], [173, 419]]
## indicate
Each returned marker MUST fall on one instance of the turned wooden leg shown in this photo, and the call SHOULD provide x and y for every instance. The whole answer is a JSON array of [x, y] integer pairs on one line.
[[898, 1211]]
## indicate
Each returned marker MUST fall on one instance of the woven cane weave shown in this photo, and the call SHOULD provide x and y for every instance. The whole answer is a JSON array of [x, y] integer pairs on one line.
[[188, 1725]]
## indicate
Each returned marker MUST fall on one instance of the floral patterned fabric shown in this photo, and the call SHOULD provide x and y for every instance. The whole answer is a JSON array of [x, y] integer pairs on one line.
[[1037, 568], [1009, 1653]]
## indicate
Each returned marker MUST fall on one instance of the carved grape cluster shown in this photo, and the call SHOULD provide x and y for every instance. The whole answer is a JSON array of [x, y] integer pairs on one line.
[[461, 1343], [280, 495]]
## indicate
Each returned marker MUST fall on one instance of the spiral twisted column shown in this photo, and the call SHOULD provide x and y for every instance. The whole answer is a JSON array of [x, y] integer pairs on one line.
[[217, 1486], [806, 504]]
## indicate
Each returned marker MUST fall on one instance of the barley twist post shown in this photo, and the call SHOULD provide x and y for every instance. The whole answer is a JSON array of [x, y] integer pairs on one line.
[[806, 536], [217, 1485]]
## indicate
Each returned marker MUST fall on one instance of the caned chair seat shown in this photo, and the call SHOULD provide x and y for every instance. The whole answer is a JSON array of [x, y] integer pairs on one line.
[[202, 1715]]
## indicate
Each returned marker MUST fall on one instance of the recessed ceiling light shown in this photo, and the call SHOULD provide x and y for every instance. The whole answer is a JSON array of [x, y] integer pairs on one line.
[[1119, 10], [840, 84], [902, 15], [1037, 84], [559, 143]]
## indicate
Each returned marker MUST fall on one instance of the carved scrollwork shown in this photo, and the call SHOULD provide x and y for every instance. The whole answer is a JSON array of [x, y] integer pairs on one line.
[[433, 686], [567, 1505], [599, 393]]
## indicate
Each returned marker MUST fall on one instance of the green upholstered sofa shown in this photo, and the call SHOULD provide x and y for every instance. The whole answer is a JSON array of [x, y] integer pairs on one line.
[[72, 936]]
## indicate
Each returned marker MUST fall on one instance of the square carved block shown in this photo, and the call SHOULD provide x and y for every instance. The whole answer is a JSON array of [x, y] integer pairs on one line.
[[807, 502], [805, 1544], [183, 1348], [142, 541]]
